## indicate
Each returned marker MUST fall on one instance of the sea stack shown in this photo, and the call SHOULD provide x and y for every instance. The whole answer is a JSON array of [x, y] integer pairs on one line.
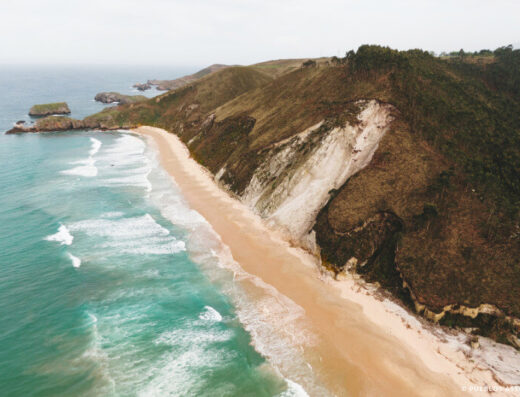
[[49, 108]]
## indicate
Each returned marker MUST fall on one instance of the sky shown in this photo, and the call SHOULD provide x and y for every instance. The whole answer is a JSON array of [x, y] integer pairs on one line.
[[202, 32]]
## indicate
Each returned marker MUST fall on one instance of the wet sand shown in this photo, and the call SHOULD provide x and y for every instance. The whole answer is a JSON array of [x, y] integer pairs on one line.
[[351, 355]]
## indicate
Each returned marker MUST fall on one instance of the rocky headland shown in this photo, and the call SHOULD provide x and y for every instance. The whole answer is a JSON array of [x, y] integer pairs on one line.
[[105, 120], [142, 86], [116, 97]]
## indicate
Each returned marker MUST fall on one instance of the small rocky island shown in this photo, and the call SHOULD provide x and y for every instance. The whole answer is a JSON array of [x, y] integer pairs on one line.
[[142, 86], [49, 108], [116, 97]]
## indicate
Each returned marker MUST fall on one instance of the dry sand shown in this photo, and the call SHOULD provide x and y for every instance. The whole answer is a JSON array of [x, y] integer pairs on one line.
[[362, 345]]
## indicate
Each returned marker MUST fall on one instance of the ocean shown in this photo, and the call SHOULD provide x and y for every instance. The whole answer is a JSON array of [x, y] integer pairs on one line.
[[110, 285]]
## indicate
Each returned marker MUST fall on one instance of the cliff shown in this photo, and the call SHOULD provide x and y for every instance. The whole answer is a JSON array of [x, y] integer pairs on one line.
[[49, 108], [295, 180], [399, 166]]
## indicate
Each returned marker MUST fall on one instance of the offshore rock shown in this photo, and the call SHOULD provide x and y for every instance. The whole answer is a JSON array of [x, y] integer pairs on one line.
[[142, 86], [49, 108]]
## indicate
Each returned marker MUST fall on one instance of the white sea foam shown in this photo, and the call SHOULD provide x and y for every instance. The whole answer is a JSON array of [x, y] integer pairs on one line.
[[210, 314], [293, 390], [113, 214], [96, 145], [134, 180], [183, 374], [140, 235], [169, 249], [133, 227], [181, 371], [63, 236], [190, 334], [127, 144], [189, 353], [76, 262], [86, 167], [88, 171], [276, 324], [92, 317], [124, 163]]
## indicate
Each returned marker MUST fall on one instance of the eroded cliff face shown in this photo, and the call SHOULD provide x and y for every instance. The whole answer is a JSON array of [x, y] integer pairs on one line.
[[378, 223], [406, 222], [298, 175]]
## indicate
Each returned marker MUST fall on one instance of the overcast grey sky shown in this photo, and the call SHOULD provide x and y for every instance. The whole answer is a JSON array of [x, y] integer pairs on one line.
[[201, 32]]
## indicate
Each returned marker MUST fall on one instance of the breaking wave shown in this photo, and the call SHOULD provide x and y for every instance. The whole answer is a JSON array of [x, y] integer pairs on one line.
[[87, 167], [63, 236], [76, 262], [139, 235]]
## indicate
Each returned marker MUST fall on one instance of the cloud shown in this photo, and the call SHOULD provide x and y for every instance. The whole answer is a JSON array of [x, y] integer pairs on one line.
[[200, 32]]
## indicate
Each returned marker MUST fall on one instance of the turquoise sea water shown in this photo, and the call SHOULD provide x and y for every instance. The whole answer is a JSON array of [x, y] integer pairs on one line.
[[109, 282]]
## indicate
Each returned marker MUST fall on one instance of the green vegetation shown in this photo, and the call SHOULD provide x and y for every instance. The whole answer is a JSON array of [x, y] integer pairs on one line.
[[49, 108], [279, 67], [111, 97], [56, 123], [438, 206], [449, 170], [467, 112]]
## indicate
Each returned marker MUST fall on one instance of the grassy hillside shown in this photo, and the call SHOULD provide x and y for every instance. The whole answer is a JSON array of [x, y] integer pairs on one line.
[[448, 177], [49, 108], [437, 208], [111, 97], [166, 85], [279, 67]]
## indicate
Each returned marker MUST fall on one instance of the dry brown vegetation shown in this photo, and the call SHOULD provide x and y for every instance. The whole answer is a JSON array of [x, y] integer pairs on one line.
[[431, 209]]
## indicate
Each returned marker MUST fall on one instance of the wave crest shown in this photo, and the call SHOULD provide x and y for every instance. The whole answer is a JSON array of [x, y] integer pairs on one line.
[[63, 236]]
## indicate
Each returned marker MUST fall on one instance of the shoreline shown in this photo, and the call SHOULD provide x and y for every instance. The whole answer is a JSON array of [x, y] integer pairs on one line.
[[366, 344]]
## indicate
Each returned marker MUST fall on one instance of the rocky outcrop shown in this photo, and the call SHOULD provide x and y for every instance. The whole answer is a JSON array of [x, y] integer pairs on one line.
[[115, 97], [49, 108], [142, 86], [48, 124], [55, 123]]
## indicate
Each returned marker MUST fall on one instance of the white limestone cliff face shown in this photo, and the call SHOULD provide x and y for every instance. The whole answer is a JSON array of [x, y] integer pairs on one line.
[[295, 181]]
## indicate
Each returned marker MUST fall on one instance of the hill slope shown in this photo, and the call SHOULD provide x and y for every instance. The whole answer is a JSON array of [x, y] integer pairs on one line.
[[166, 85], [400, 166]]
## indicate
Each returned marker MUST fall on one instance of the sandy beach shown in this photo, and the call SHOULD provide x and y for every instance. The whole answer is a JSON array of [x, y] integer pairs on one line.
[[362, 345]]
